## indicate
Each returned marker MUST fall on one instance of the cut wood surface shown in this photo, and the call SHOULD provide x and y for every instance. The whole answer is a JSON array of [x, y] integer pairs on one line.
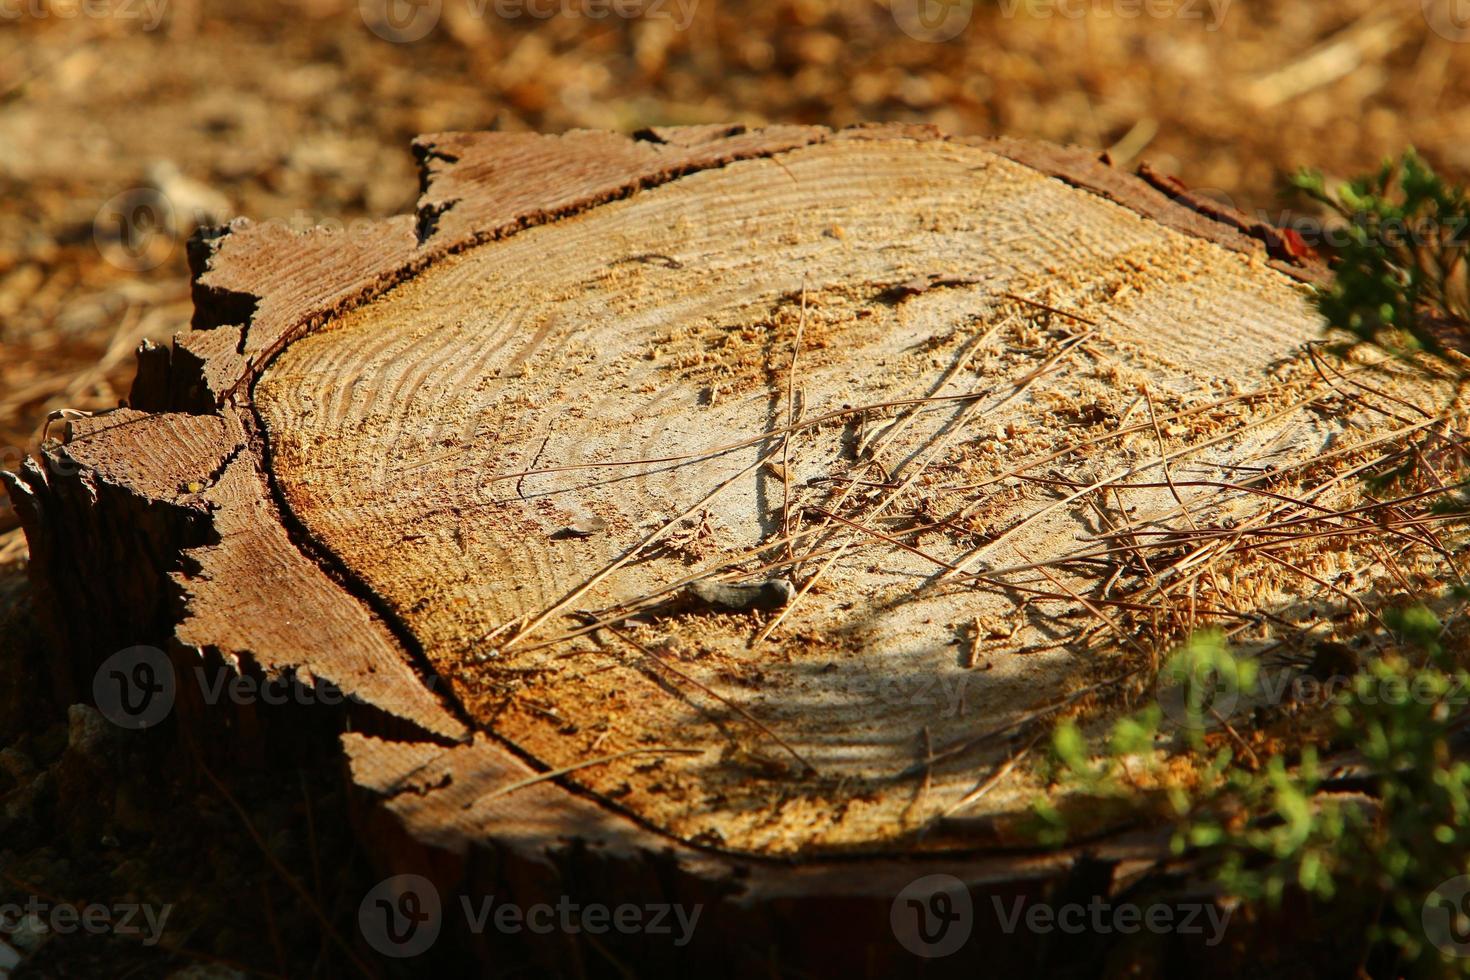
[[753, 493], [636, 366]]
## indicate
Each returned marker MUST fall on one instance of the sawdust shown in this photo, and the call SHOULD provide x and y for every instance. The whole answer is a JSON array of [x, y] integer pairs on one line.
[[1010, 435]]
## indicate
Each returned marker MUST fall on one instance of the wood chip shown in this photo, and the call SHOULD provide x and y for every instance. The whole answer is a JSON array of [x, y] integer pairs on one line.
[[768, 595], [583, 528]]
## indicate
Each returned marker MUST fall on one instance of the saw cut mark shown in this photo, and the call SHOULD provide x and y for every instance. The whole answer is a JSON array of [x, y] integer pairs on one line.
[[1051, 445]]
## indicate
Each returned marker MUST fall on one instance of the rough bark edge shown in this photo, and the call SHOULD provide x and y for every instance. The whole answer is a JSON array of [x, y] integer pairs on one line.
[[140, 523], [356, 652], [475, 189], [87, 529], [827, 918], [482, 186], [473, 193], [465, 203], [1168, 201], [1283, 244]]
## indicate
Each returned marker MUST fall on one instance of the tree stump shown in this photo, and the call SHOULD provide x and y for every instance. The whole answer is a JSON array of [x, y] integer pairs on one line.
[[691, 513]]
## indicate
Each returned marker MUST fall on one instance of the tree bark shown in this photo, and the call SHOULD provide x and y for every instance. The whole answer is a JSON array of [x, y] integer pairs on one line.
[[673, 511]]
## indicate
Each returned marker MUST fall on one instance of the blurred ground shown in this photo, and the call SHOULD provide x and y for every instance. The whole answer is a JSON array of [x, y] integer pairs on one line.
[[124, 122], [300, 112]]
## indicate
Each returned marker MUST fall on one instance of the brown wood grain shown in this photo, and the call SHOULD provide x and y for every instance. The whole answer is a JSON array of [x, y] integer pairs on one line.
[[187, 500]]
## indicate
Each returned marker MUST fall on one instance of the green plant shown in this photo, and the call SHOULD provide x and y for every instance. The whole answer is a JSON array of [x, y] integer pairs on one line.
[[1263, 830], [1401, 277], [1399, 717], [1265, 820]]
